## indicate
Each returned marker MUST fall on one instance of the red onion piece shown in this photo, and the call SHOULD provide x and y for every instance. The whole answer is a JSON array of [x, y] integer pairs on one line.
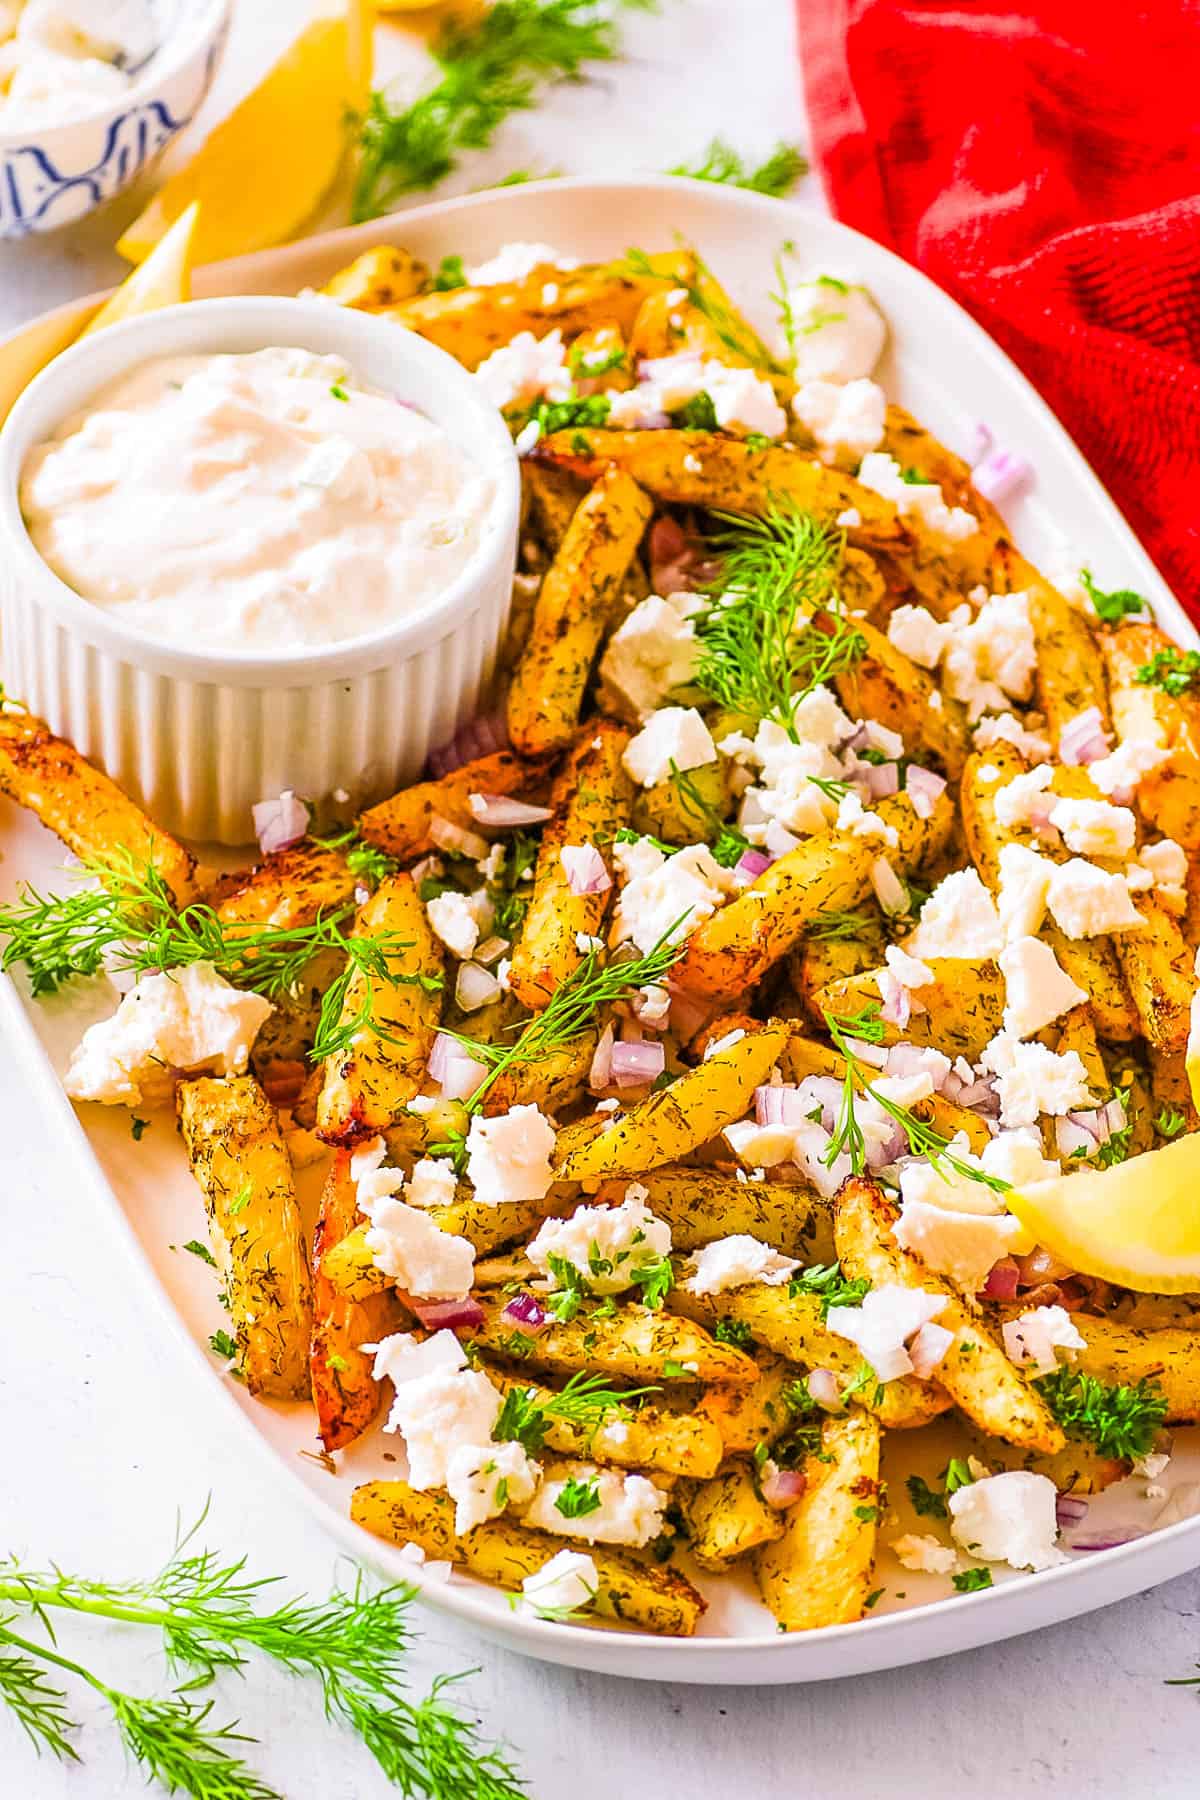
[[890, 891], [927, 1348], [883, 779], [924, 789], [1003, 1279], [500, 812], [491, 950], [824, 1091], [584, 869], [633, 1065], [478, 737], [823, 1386], [278, 823], [783, 1487], [896, 1001], [600, 1074], [1000, 474], [881, 1155], [779, 1105], [752, 864], [1070, 1509], [1040, 1266], [475, 987], [1083, 739], [523, 1310], [448, 836], [447, 1315], [1112, 1117], [456, 1070], [983, 442]]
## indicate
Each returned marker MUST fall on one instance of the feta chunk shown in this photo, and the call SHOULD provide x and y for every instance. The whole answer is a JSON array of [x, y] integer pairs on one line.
[[741, 399], [909, 971], [1016, 1156], [1008, 1518], [526, 369], [1089, 902], [652, 651], [1020, 803], [1006, 728], [508, 1157], [737, 1261], [437, 1414], [452, 918], [924, 1554], [883, 1323], [630, 1511], [1032, 1340], [918, 635], [920, 500], [842, 416], [958, 919], [1024, 885], [608, 1245], [676, 734], [516, 261], [433, 1183], [856, 821], [568, 1583], [371, 1180], [1120, 771], [1094, 827], [1166, 864], [991, 658], [965, 1246], [837, 332], [761, 1146], [187, 1021], [666, 896], [485, 1479], [1033, 1080], [411, 1251], [402, 1357], [1037, 989]]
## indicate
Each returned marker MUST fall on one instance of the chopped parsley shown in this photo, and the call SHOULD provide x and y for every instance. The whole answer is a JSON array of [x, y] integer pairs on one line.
[[241, 1200], [1119, 1420], [830, 1285], [366, 862], [221, 1343], [696, 414], [957, 1474], [867, 1515], [450, 275], [1169, 1122], [510, 891], [1114, 606], [337, 1365], [971, 1581], [339, 392], [138, 1129], [196, 1248], [734, 1332], [927, 1503], [577, 1498], [674, 1371], [589, 365], [584, 410], [1174, 671]]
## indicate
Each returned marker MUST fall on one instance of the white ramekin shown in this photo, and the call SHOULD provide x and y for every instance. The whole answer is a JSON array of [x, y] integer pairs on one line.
[[52, 175], [196, 737]]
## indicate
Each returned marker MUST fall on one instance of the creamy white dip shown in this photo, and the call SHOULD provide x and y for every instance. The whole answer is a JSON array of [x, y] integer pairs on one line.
[[63, 59], [253, 502]]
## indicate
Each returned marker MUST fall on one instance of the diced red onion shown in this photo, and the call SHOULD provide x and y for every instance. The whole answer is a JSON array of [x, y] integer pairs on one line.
[[874, 1054], [882, 1155], [982, 444], [1003, 1279], [523, 1310], [600, 1074], [824, 1091], [823, 1386], [690, 1014], [1041, 1266], [890, 891], [475, 987], [895, 1000], [447, 1315], [1075, 1132], [1083, 739], [883, 779], [491, 950], [478, 737], [1111, 1539], [752, 864], [673, 558], [908, 1059], [448, 836], [928, 1347], [633, 1065], [1069, 1509], [278, 823], [454, 1068], [783, 1487], [1111, 1117], [500, 812], [924, 789], [1000, 474], [584, 869], [779, 1105]]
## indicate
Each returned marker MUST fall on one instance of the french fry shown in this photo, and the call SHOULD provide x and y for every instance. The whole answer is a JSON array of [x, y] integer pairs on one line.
[[701, 1205], [377, 279], [1142, 712], [345, 1391], [1121, 1353], [727, 1517], [964, 1005], [818, 1572], [632, 1342], [290, 888], [650, 1437], [401, 825], [885, 685]]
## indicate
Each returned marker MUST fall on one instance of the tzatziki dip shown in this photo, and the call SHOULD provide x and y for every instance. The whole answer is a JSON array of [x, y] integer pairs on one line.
[[63, 59], [259, 502]]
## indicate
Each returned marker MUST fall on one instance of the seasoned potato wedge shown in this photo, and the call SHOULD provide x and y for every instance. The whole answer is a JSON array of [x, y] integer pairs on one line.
[[632, 1342], [401, 825], [635, 1591], [237, 1155], [1077, 1468], [727, 1517], [746, 1417], [350, 1265], [702, 1204], [650, 1437], [1168, 796], [963, 1005], [290, 888], [345, 1392], [1117, 1352], [819, 1571], [379, 278], [1157, 965], [885, 685]]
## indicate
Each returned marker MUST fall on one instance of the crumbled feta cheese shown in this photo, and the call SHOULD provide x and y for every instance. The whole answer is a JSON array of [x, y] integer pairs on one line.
[[1016, 1156], [676, 734], [1019, 802], [958, 919], [402, 1357], [924, 1554], [1032, 1080], [630, 1510], [411, 1251], [568, 1583], [964, 1246], [514, 262], [786, 796], [734, 1262], [909, 971], [918, 635], [453, 919], [1120, 771], [742, 400], [991, 657], [666, 895], [842, 416], [652, 651], [187, 1021], [1031, 1340], [1024, 885], [371, 1180], [485, 1479], [837, 332], [1166, 864], [586, 944], [432, 1184], [921, 500], [1037, 989], [1089, 902], [609, 1245], [761, 1146], [437, 1414], [856, 821], [508, 1157], [883, 1323], [1006, 728], [1094, 827], [1008, 1518], [526, 369], [890, 891], [850, 519]]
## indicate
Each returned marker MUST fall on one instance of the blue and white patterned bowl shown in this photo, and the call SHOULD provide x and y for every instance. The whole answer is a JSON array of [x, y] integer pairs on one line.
[[52, 175]]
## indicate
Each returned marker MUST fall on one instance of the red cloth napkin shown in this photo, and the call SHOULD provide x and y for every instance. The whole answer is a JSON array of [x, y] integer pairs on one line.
[[1042, 164]]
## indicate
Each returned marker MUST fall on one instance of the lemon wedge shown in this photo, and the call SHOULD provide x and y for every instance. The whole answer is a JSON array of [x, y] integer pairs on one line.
[[1193, 1050], [164, 279], [1136, 1224], [263, 170]]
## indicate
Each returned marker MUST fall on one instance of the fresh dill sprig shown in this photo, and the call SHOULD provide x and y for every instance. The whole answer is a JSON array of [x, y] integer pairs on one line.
[[586, 1401], [759, 653], [1119, 1420], [1112, 607], [207, 1612], [839, 927], [776, 175], [727, 843], [490, 69]]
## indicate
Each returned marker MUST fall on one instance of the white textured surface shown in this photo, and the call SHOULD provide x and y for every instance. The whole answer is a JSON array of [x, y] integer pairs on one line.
[[105, 1439]]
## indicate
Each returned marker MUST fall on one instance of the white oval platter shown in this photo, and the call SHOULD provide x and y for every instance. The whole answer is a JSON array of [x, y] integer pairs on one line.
[[952, 376]]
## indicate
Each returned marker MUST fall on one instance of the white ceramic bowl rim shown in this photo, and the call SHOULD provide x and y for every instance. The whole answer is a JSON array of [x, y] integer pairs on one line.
[[243, 323], [186, 37]]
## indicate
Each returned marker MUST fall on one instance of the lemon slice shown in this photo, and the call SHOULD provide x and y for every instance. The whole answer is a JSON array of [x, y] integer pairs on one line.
[[1136, 1224], [1193, 1050], [263, 170], [164, 279]]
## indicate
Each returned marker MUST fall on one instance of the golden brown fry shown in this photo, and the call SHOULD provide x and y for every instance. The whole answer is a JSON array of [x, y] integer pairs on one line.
[[819, 1571], [744, 1418], [290, 888], [345, 1391], [1157, 965], [649, 1437], [1069, 677], [701, 1205], [401, 825], [727, 1517], [1121, 1353], [377, 279], [964, 1005], [888, 687], [1143, 712], [633, 1342]]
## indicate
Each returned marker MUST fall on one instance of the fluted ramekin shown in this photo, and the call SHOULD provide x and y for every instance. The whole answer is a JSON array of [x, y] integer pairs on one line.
[[197, 737]]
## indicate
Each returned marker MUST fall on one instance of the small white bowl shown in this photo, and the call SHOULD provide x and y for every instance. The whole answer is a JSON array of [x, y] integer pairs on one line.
[[52, 175], [195, 737]]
